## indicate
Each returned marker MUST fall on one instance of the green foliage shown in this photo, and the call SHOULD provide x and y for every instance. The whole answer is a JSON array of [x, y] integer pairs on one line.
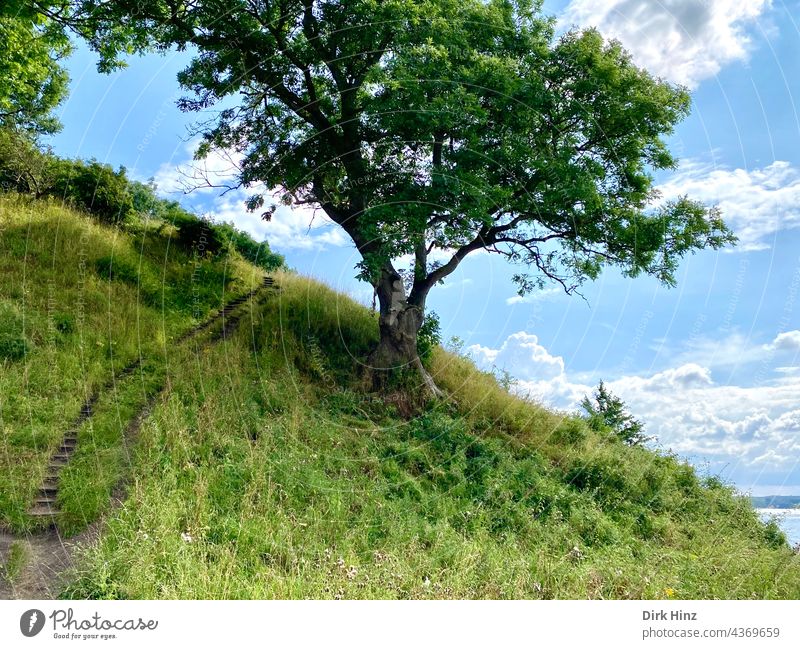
[[112, 197], [23, 166], [452, 142], [32, 47], [64, 323], [429, 336], [195, 234], [13, 343], [489, 496], [93, 186], [607, 412], [254, 252]]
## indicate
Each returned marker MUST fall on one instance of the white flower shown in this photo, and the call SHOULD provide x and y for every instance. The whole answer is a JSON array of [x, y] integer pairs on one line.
[[187, 537]]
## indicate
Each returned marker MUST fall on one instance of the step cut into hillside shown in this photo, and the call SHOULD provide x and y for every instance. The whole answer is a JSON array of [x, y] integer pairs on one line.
[[45, 505]]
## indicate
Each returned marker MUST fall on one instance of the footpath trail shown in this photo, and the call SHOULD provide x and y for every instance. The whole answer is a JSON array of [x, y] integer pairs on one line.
[[46, 555]]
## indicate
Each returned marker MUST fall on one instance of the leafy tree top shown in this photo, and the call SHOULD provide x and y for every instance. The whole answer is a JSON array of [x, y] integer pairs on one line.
[[433, 128], [32, 46]]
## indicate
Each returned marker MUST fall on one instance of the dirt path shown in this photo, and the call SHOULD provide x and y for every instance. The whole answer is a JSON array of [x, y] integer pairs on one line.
[[45, 560]]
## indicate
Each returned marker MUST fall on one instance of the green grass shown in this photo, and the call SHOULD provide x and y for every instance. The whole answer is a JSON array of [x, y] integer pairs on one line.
[[264, 470], [258, 477], [76, 324], [14, 562]]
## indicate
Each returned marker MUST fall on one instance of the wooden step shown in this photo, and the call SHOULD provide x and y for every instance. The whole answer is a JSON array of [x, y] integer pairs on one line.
[[44, 500], [43, 511]]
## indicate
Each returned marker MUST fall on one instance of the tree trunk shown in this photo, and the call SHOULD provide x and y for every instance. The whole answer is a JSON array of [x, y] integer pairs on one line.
[[399, 324]]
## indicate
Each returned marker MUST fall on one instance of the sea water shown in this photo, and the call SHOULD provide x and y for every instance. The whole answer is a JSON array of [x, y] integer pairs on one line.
[[788, 519]]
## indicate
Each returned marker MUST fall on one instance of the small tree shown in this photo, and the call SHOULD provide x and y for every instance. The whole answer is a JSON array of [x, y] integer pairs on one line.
[[607, 412]]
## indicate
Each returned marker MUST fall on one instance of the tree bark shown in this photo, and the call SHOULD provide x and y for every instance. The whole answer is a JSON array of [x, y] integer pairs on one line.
[[399, 324]]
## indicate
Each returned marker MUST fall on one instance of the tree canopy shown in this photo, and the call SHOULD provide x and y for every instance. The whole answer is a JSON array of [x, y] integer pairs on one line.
[[607, 412], [433, 129], [32, 46]]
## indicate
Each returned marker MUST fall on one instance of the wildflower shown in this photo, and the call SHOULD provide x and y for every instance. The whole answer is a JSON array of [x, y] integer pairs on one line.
[[669, 592], [426, 582], [187, 537]]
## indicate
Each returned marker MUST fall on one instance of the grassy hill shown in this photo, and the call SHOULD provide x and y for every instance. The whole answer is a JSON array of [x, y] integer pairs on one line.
[[263, 469]]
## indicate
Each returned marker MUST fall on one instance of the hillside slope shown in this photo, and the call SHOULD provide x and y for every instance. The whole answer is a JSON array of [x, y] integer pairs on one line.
[[263, 469], [79, 302]]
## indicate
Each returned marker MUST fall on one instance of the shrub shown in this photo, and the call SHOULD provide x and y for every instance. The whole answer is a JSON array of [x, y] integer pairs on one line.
[[256, 253], [571, 430], [601, 475], [194, 234], [93, 186]]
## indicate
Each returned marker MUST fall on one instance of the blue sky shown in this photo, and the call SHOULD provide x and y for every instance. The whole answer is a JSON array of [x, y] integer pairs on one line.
[[712, 366]]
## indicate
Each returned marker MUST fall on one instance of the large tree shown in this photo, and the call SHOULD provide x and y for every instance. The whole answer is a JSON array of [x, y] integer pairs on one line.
[[433, 129], [32, 79]]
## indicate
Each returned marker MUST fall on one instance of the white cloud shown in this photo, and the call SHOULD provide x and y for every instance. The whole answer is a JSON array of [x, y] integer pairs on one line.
[[755, 430], [460, 284], [756, 204], [788, 341], [684, 41], [522, 355], [295, 228], [536, 296]]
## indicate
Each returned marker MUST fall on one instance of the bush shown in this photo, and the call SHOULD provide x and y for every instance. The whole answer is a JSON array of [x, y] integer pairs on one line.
[[256, 253], [571, 430], [194, 234], [93, 186]]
